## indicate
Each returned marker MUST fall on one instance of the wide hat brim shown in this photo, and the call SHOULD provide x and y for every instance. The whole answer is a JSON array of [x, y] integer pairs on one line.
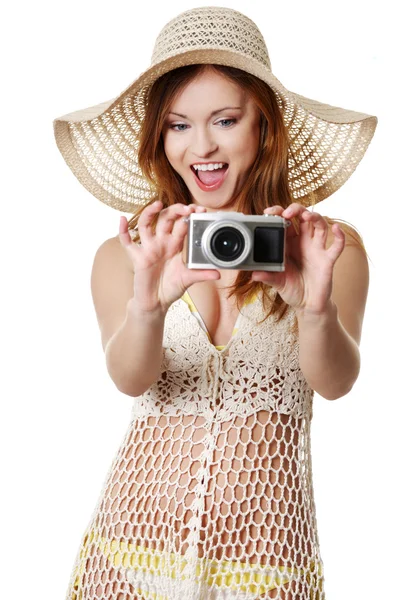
[[99, 143]]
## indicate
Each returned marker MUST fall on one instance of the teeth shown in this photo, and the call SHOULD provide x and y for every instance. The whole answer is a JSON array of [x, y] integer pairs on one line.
[[209, 167]]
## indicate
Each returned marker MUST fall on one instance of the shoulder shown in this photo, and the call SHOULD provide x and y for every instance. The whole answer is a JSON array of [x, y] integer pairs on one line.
[[350, 280], [111, 286], [112, 250], [352, 237]]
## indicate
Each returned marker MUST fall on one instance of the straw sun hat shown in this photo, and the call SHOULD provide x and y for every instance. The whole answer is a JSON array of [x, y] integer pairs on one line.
[[100, 143]]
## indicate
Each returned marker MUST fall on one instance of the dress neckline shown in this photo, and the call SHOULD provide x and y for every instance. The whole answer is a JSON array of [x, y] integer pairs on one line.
[[205, 330]]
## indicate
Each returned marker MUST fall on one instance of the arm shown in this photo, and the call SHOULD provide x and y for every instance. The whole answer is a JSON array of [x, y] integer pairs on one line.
[[329, 343], [329, 357], [131, 339], [134, 353]]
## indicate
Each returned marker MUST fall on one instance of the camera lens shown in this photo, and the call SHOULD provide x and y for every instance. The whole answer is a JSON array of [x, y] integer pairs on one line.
[[227, 243]]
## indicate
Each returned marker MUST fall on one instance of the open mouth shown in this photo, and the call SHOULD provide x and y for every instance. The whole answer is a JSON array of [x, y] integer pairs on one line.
[[211, 177]]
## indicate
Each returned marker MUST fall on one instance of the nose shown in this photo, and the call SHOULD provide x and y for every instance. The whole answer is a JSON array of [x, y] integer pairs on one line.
[[203, 143]]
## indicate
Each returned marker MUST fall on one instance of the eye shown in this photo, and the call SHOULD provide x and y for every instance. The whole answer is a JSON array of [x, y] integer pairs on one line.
[[177, 125], [225, 123]]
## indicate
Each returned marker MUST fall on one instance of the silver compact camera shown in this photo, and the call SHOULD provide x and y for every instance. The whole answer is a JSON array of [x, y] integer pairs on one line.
[[232, 240]]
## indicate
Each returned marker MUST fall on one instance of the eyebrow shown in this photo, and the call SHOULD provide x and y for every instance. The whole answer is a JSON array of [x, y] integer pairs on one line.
[[214, 112]]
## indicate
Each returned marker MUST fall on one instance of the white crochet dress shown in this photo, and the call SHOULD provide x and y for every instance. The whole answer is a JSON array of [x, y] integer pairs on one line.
[[210, 494]]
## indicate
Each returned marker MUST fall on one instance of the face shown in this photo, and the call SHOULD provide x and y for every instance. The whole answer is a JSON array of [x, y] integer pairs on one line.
[[213, 124]]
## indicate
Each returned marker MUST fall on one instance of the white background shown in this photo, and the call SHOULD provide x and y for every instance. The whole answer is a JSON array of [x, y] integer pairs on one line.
[[62, 418]]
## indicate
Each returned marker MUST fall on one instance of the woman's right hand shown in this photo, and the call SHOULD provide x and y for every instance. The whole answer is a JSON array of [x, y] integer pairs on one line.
[[160, 274]]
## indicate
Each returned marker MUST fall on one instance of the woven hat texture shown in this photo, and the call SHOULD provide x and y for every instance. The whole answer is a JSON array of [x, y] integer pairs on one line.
[[100, 143]]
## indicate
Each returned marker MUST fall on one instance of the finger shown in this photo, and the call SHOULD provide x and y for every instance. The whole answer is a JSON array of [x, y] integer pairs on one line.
[[169, 215], [131, 247], [145, 221], [312, 216], [294, 210], [181, 225], [124, 234], [180, 228], [167, 222], [313, 225], [291, 231], [273, 210], [320, 227], [274, 279], [177, 237], [338, 244], [310, 223]]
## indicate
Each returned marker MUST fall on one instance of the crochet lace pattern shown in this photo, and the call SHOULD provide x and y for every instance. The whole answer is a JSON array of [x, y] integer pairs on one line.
[[210, 494]]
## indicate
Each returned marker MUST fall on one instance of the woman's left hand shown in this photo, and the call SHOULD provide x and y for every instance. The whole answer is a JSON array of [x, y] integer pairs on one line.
[[306, 283]]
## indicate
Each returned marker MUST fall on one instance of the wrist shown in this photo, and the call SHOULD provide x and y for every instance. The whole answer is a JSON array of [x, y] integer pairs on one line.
[[328, 314], [145, 313]]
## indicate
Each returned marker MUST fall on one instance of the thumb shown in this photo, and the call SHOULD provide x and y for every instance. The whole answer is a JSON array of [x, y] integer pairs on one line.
[[274, 278], [198, 275]]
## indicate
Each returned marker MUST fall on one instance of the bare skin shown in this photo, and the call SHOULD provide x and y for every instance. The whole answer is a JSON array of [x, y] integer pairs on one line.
[[218, 312], [263, 442]]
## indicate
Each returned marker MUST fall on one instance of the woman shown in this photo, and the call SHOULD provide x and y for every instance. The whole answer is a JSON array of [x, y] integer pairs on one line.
[[210, 494]]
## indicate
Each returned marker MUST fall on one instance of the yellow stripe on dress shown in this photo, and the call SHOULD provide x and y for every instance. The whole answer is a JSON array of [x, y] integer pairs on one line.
[[235, 575]]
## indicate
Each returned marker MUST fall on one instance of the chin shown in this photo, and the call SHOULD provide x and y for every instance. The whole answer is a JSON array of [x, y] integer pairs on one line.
[[213, 203]]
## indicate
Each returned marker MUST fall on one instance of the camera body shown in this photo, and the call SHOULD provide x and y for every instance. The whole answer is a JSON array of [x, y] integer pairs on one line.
[[232, 240]]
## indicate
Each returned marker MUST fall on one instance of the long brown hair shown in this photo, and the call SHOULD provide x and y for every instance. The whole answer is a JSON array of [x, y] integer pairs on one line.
[[266, 185]]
